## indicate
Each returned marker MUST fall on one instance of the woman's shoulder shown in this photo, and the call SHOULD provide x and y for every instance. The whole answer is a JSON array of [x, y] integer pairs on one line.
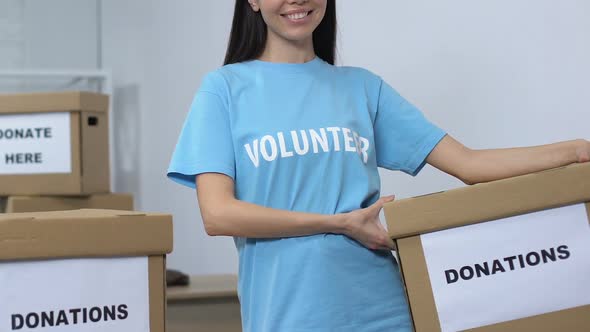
[[213, 81], [358, 75], [220, 78], [358, 72]]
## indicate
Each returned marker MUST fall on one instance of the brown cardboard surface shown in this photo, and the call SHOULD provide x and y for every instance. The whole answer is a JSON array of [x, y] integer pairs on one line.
[[16, 204], [53, 102], [95, 153], [157, 286], [89, 144], [489, 201], [83, 233], [423, 307], [94, 233], [570, 320], [534, 192], [417, 284]]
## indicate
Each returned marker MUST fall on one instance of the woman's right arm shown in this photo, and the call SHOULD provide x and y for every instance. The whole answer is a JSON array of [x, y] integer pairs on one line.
[[223, 214]]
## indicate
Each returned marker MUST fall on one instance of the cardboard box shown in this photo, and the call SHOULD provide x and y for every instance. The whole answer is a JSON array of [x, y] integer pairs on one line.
[[89, 270], [508, 255], [16, 204], [54, 144]]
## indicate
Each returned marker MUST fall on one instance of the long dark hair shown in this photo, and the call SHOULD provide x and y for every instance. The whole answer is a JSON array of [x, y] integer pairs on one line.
[[248, 34]]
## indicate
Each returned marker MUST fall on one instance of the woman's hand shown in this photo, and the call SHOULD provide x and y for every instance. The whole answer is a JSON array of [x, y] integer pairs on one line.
[[363, 225], [583, 151]]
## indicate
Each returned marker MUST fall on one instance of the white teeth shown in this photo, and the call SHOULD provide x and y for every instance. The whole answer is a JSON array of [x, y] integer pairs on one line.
[[297, 16]]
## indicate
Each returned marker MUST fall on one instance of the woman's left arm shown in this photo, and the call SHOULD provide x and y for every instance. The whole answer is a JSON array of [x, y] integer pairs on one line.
[[475, 166]]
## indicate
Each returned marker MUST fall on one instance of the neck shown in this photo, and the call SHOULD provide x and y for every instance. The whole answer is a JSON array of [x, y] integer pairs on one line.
[[282, 50]]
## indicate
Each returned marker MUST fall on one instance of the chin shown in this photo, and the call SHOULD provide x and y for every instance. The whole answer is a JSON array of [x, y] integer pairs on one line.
[[298, 38], [296, 35]]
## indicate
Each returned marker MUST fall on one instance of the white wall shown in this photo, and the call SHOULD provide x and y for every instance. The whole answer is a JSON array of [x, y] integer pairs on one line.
[[158, 52], [492, 73], [53, 34], [126, 30], [48, 34]]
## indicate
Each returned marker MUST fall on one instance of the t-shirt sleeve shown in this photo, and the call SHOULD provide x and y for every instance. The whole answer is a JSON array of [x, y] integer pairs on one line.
[[403, 136], [205, 143]]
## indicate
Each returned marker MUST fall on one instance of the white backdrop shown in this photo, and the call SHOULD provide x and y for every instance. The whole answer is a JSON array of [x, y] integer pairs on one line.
[[493, 73]]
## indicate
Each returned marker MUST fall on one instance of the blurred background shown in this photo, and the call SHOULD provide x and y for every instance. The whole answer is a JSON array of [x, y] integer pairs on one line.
[[493, 74]]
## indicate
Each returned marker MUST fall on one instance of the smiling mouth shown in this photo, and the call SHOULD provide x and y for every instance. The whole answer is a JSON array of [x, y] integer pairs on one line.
[[297, 16]]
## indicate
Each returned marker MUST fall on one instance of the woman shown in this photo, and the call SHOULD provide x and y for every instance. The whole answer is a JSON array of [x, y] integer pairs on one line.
[[283, 148]]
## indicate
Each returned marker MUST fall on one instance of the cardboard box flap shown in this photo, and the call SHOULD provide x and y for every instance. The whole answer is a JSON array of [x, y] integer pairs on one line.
[[84, 233], [489, 201], [14, 204], [118, 213], [82, 214], [115, 213], [54, 102]]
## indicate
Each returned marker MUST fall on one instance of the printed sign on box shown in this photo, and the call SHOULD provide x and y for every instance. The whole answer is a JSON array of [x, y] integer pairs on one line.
[[511, 268], [80, 295], [35, 143]]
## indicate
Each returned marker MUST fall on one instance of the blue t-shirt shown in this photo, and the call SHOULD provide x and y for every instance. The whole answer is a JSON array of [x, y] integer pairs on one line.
[[307, 137]]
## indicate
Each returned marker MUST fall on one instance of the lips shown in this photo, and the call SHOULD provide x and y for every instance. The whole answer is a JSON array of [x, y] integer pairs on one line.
[[297, 15]]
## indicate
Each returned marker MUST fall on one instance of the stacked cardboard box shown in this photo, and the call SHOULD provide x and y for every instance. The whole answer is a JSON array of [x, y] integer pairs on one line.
[[83, 270], [509, 255], [94, 267], [56, 145]]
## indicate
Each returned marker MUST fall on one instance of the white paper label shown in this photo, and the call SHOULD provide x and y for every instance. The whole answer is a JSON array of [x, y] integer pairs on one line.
[[510, 268], [35, 143], [82, 295]]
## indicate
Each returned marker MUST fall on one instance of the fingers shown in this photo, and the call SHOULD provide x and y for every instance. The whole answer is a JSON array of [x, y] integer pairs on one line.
[[386, 243], [388, 247], [386, 199], [378, 240], [390, 244], [370, 231], [583, 151], [381, 201]]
